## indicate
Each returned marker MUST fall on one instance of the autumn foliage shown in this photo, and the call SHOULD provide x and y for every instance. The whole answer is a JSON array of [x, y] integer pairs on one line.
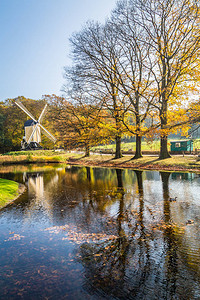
[[136, 75]]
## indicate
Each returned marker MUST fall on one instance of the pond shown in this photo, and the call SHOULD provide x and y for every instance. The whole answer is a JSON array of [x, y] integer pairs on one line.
[[97, 233]]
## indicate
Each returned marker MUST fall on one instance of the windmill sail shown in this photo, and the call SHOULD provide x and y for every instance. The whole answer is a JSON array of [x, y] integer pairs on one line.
[[47, 133], [20, 105], [42, 114]]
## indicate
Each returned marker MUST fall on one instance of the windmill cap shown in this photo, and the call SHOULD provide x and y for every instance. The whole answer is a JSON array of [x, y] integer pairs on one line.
[[29, 123]]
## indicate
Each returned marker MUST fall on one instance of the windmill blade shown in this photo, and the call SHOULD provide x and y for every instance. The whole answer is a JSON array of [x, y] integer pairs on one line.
[[32, 134], [42, 114], [47, 133], [20, 105]]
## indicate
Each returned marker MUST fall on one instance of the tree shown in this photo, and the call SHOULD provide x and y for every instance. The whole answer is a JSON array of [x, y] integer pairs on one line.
[[78, 124], [5, 143], [172, 30], [133, 71], [95, 56]]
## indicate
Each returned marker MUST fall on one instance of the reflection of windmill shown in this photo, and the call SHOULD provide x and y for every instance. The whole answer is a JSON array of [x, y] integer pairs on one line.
[[39, 191], [32, 129]]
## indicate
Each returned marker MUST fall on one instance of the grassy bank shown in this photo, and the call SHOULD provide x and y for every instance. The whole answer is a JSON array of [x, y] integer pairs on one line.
[[9, 190], [186, 163], [41, 156]]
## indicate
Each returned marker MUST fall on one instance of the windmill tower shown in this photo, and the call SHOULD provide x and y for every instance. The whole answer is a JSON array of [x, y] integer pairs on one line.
[[33, 129]]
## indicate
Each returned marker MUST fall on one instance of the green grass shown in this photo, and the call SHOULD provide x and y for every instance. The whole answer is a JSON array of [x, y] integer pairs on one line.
[[31, 153], [8, 191], [46, 155], [154, 146], [43, 156]]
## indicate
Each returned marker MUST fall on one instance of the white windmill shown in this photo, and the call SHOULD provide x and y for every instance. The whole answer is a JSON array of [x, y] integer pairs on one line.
[[33, 129]]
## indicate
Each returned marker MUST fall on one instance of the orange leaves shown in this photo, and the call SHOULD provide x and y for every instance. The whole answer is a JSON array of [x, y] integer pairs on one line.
[[15, 237], [76, 236]]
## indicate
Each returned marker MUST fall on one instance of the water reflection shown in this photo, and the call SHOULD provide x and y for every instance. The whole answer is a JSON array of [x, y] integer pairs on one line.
[[35, 183], [109, 233]]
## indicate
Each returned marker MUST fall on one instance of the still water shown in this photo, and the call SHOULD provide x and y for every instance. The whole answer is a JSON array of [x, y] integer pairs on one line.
[[92, 233]]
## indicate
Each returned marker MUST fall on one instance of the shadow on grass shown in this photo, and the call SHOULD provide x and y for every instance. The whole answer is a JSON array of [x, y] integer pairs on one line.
[[129, 162], [140, 163]]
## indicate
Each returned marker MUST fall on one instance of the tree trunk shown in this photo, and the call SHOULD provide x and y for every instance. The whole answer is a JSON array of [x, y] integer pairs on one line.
[[164, 153], [87, 150], [138, 149], [118, 153]]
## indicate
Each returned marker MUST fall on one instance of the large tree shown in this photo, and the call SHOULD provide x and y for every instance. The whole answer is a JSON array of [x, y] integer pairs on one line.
[[173, 32], [133, 69], [95, 55]]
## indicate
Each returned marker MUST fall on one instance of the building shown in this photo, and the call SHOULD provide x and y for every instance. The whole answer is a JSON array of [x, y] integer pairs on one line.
[[182, 146], [29, 127]]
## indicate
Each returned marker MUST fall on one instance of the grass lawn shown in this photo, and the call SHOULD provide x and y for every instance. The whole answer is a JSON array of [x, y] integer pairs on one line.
[[39, 156], [8, 191], [153, 146]]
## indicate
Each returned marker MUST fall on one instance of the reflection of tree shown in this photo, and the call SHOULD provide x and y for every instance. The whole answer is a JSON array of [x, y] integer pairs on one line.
[[88, 173], [141, 200], [82, 197], [105, 262], [119, 178], [144, 256], [120, 267], [120, 195], [134, 262], [121, 245], [170, 240]]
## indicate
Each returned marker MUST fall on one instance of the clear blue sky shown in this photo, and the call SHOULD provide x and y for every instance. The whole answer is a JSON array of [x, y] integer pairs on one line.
[[34, 44]]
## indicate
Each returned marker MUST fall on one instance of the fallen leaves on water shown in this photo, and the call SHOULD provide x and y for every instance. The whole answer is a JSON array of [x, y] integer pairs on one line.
[[76, 236], [15, 237]]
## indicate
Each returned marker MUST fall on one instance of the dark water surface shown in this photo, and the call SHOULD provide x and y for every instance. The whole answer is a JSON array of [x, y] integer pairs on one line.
[[91, 233]]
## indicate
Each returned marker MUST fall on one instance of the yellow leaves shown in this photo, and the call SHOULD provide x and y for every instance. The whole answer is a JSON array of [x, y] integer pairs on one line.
[[177, 115], [184, 130]]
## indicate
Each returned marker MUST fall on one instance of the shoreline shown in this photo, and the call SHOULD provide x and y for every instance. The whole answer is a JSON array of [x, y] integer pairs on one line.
[[131, 165], [187, 163], [20, 191]]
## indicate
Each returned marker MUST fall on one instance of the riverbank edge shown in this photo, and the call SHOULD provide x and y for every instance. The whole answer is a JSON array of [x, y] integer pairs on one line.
[[20, 191], [185, 164], [148, 167]]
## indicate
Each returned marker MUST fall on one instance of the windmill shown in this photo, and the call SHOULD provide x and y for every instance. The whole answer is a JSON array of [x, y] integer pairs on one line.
[[33, 129]]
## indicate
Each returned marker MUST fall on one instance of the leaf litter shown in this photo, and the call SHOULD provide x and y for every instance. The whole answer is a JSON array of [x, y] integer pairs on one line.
[[77, 236]]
